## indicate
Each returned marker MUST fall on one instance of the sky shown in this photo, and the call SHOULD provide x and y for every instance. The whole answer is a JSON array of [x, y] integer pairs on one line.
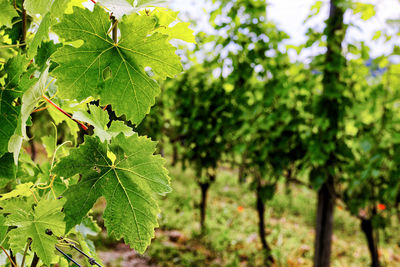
[[289, 15]]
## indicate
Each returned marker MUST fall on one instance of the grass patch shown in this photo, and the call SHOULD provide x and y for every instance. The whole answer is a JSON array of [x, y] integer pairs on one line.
[[231, 238]]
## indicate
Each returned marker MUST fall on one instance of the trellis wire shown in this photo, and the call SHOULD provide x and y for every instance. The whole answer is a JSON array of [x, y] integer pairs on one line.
[[91, 260], [68, 257]]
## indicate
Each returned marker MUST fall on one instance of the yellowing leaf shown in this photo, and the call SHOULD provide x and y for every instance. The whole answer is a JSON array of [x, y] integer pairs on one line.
[[20, 190], [111, 156], [367, 10], [377, 35], [73, 3]]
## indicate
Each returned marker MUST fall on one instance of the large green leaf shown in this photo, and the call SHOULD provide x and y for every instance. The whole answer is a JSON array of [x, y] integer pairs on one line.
[[37, 224], [113, 72], [7, 13], [127, 185]]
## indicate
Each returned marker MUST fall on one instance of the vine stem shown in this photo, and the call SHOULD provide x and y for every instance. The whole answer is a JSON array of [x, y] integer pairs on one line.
[[40, 109], [114, 28], [23, 36], [13, 45], [34, 196], [8, 256], [26, 250], [84, 127]]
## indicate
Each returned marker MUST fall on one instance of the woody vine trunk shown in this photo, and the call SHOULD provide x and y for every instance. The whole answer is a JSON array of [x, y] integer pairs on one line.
[[261, 224], [332, 92], [368, 230], [204, 186], [324, 224]]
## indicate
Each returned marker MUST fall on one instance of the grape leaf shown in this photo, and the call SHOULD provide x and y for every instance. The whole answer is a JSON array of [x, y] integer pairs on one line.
[[40, 35], [179, 30], [7, 13], [49, 144], [88, 227], [35, 224], [117, 127], [9, 112], [34, 7], [127, 186], [99, 119], [3, 230], [88, 247], [63, 262], [80, 73], [44, 52], [20, 190], [29, 101], [11, 205], [50, 12]]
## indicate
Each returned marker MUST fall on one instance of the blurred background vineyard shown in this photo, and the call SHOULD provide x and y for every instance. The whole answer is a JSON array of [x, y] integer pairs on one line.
[[285, 123]]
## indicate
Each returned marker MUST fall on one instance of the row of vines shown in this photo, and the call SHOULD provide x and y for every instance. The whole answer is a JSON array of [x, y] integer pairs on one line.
[[330, 125]]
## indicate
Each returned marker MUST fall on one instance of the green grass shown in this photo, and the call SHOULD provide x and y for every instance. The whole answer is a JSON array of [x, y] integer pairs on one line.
[[231, 238]]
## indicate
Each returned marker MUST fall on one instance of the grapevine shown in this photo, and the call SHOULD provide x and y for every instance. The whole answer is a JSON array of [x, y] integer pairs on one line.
[[99, 58]]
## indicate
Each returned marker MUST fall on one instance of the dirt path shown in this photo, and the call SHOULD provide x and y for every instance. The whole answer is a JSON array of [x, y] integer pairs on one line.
[[123, 256]]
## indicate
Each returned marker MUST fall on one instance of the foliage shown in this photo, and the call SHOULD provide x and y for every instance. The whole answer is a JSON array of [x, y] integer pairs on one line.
[[204, 113], [91, 66], [127, 174]]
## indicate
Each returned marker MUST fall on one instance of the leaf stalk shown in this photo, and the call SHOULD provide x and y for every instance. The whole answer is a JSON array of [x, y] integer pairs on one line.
[[84, 127]]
